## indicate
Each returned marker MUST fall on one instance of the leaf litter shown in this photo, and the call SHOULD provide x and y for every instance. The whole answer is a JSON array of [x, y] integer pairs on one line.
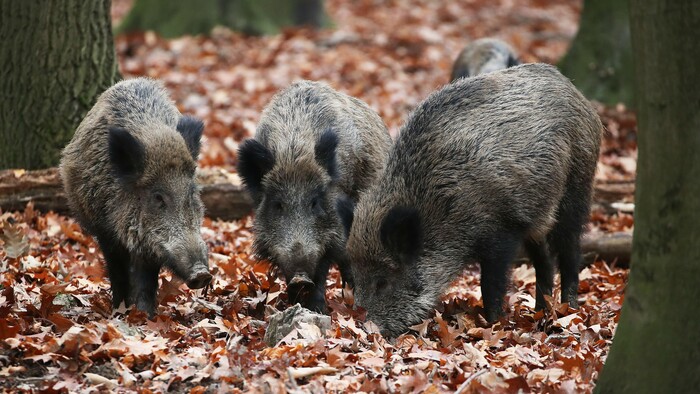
[[58, 331]]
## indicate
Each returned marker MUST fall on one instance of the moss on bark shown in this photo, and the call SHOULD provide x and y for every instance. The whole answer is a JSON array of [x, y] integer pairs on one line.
[[599, 61], [56, 57], [657, 344], [176, 18]]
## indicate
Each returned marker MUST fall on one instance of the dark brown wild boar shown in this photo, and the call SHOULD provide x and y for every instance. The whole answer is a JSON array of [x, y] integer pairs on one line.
[[483, 56], [482, 166], [315, 149], [129, 177]]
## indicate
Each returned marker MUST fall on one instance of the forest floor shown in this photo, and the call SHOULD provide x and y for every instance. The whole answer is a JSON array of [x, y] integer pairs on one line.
[[58, 330]]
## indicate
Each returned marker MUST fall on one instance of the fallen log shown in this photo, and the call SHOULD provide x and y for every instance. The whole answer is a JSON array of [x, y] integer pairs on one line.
[[222, 192], [613, 248], [610, 247], [606, 192], [224, 198]]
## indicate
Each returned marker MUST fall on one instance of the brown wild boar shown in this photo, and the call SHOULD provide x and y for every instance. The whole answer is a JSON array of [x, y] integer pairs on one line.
[[129, 177], [483, 56], [481, 167], [314, 149]]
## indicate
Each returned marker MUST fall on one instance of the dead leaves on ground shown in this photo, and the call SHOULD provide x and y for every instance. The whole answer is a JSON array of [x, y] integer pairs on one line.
[[389, 53], [56, 323], [58, 332]]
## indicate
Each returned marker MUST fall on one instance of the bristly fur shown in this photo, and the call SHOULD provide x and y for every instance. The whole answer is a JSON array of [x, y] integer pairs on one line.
[[483, 56], [315, 151], [345, 207], [254, 161], [325, 152], [128, 173], [127, 155], [488, 163], [191, 130]]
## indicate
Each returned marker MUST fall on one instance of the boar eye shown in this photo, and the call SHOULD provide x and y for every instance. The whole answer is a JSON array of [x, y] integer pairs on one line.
[[316, 205], [278, 207], [159, 199], [381, 285]]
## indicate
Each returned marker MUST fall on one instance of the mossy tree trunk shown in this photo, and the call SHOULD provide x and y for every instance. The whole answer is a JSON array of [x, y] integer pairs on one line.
[[175, 18], [657, 344], [599, 61], [55, 58]]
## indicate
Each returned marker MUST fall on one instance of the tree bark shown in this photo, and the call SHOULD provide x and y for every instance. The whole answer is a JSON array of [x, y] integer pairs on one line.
[[175, 18], [599, 61], [55, 58], [657, 343]]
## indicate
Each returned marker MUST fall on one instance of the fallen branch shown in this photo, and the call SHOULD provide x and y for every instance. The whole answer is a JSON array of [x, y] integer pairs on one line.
[[610, 247], [613, 191], [224, 198], [222, 192], [305, 372]]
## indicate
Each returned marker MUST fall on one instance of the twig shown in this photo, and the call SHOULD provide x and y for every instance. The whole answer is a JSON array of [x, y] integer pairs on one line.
[[466, 383]]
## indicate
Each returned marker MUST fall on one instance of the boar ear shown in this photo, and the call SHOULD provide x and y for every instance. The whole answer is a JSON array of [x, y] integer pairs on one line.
[[126, 153], [254, 161], [512, 61], [191, 130], [325, 152], [459, 70], [401, 234], [345, 208]]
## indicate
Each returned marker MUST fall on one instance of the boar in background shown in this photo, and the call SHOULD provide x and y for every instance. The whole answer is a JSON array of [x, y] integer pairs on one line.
[[483, 56]]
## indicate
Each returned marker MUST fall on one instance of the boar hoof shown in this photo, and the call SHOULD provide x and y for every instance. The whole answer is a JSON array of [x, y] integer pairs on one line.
[[199, 280]]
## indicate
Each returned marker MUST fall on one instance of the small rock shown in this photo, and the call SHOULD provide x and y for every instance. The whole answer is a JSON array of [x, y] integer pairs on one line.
[[282, 323]]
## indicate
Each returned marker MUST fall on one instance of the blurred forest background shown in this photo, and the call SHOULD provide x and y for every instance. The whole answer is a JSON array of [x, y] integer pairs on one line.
[[58, 330], [391, 54]]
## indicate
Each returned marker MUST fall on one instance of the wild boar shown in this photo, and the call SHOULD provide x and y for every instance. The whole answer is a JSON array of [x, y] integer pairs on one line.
[[483, 56], [314, 149], [482, 166], [129, 175]]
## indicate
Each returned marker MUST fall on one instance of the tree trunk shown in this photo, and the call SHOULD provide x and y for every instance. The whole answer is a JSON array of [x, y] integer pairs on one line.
[[657, 344], [175, 18], [55, 58], [599, 61]]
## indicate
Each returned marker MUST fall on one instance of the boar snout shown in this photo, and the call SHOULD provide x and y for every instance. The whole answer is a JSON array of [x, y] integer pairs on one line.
[[300, 287], [301, 279], [302, 259], [199, 275], [190, 264], [199, 280]]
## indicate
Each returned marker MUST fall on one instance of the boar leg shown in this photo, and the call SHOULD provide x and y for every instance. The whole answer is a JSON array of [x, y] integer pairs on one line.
[[118, 261], [345, 272], [495, 259], [145, 287], [543, 270], [567, 247], [317, 299], [565, 238]]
